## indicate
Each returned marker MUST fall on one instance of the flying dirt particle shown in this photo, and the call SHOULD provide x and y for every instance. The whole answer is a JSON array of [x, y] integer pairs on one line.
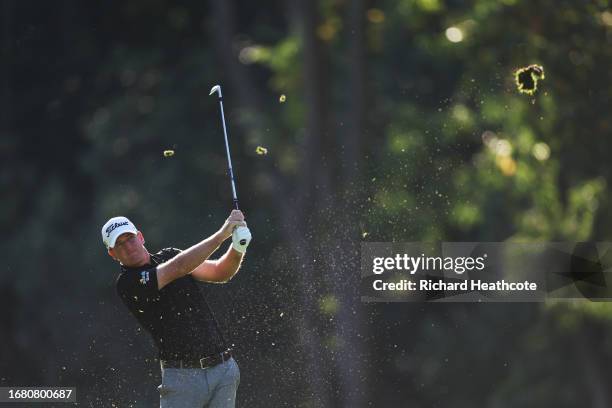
[[364, 234], [527, 78], [168, 153], [282, 98], [375, 16], [328, 304], [261, 150]]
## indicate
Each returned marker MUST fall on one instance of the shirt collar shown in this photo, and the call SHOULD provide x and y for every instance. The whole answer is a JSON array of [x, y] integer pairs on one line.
[[154, 261]]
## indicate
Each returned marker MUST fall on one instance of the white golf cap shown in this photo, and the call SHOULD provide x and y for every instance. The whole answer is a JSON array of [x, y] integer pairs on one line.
[[114, 228]]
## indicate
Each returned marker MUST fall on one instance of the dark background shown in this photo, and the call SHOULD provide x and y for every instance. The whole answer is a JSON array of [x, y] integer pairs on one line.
[[394, 128]]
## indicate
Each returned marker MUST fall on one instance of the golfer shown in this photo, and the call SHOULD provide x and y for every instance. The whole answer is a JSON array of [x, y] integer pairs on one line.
[[160, 290]]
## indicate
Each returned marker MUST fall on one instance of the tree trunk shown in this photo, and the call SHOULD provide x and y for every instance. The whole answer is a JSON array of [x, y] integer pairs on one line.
[[311, 198], [593, 373], [5, 68], [311, 185], [242, 85]]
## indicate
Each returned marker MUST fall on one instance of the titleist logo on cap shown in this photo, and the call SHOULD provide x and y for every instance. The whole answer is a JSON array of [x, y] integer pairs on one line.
[[116, 225]]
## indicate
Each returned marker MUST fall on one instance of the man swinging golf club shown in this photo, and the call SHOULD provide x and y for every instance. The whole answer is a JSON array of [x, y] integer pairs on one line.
[[160, 290]]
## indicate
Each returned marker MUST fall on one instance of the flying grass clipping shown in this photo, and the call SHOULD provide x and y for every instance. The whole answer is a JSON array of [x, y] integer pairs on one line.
[[527, 78]]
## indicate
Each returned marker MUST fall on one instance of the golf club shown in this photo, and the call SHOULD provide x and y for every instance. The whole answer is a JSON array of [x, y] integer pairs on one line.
[[242, 233]]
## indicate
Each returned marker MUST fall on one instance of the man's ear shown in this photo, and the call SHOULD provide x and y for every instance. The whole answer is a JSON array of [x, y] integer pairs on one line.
[[140, 237], [111, 252]]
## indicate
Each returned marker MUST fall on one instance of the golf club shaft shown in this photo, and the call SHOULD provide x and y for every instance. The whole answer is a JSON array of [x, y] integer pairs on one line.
[[229, 159]]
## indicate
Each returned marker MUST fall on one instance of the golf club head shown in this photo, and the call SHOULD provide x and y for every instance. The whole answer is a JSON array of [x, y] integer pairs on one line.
[[217, 89]]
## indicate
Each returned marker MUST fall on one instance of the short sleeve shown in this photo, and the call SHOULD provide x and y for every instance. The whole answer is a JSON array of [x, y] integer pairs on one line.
[[138, 290]]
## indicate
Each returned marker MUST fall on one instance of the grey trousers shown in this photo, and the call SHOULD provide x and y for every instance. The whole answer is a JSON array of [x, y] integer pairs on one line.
[[212, 387]]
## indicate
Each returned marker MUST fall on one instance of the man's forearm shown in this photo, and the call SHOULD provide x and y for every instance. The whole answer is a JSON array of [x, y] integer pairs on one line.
[[193, 256], [228, 264]]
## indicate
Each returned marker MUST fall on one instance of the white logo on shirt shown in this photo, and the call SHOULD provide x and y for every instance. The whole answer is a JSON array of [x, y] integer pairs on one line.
[[144, 277]]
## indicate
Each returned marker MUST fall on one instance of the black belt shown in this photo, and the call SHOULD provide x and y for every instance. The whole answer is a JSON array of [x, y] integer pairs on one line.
[[203, 362]]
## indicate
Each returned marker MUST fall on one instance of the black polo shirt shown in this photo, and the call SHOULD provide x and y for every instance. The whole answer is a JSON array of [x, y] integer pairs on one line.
[[177, 316]]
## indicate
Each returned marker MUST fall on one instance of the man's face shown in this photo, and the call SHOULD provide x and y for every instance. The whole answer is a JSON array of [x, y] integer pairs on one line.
[[129, 249]]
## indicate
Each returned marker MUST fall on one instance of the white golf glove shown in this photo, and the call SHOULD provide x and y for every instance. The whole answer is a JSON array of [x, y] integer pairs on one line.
[[241, 237]]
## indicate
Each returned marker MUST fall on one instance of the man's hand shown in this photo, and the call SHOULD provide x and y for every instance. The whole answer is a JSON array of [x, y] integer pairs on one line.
[[235, 219], [241, 237]]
